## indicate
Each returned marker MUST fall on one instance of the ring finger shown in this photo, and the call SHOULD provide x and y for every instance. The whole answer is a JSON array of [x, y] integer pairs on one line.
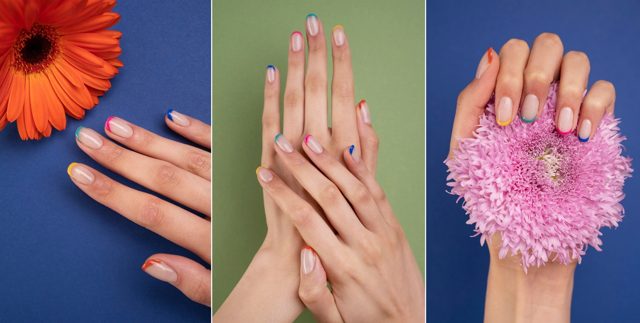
[[513, 57], [574, 75]]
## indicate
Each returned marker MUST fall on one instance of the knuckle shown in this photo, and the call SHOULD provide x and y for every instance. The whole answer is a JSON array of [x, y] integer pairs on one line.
[[537, 79], [198, 162], [144, 138], [167, 175], [315, 83], [269, 120], [330, 194], [361, 195], [370, 250], [271, 93], [301, 215], [292, 98], [103, 188], [311, 294], [372, 142], [150, 213], [111, 153], [572, 92], [509, 82], [343, 90], [200, 292], [549, 39], [516, 44]]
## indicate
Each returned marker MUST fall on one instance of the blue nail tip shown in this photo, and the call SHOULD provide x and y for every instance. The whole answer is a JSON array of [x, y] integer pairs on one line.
[[583, 139], [78, 131], [169, 116], [277, 136], [312, 15], [351, 148], [271, 67]]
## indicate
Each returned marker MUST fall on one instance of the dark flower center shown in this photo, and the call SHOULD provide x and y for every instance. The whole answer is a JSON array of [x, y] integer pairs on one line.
[[35, 49]]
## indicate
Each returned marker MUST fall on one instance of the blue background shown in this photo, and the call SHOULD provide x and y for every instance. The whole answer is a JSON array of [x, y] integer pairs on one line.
[[458, 33], [66, 258]]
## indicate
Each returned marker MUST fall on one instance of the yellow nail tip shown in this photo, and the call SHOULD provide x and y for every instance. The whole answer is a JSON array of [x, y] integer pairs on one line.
[[503, 124], [258, 169], [71, 166], [337, 27]]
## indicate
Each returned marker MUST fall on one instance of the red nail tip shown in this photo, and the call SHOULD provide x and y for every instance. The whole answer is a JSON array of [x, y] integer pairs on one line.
[[148, 263], [362, 102], [309, 248], [296, 32], [306, 138], [490, 54], [564, 133], [106, 123]]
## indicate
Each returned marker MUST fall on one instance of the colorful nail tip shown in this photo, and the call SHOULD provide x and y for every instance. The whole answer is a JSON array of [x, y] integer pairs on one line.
[[106, 123], [277, 137], [312, 15], [306, 138], [490, 54], [169, 116], [525, 120], [70, 167], [351, 149], [336, 27], [271, 67], [77, 133], [563, 133], [149, 263], [503, 124], [583, 139]]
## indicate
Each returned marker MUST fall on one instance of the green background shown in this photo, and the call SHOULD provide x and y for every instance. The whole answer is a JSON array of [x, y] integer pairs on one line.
[[387, 44]]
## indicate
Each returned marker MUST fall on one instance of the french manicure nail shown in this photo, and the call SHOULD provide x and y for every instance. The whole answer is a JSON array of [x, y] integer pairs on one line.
[[312, 24], [160, 271], [585, 130], [283, 143], [264, 174], [353, 154], [88, 138], [178, 118], [504, 111], [486, 60], [118, 127], [565, 120], [338, 35], [307, 260], [313, 144], [364, 112], [351, 148], [529, 108], [271, 73], [80, 174], [296, 41]]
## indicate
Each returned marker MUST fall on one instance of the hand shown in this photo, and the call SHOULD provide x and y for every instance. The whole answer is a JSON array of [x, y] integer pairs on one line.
[[372, 271], [521, 80], [177, 171], [268, 290]]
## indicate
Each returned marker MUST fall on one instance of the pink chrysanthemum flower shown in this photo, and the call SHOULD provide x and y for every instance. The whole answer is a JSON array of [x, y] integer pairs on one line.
[[548, 195]]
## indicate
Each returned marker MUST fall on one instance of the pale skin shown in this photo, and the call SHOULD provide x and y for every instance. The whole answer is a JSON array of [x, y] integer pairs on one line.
[[179, 172], [544, 293]]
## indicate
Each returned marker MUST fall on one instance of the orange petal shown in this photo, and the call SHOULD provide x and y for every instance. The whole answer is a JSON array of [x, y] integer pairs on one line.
[[78, 93], [93, 41], [17, 95], [89, 80], [70, 106], [36, 95], [102, 21], [53, 105]]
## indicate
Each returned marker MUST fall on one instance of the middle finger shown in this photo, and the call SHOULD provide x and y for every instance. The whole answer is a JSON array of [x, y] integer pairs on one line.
[[315, 83]]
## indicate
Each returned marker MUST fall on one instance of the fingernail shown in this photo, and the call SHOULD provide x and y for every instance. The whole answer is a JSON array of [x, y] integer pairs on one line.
[[565, 121], [80, 174], [312, 24], [178, 118], [271, 73], [351, 148], [585, 131], [338, 35], [313, 144], [283, 143], [264, 174], [296, 41], [88, 138], [118, 127], [505, 110], [307, 260], [160, 271], [486, 60], [364, 112], [530, 108]]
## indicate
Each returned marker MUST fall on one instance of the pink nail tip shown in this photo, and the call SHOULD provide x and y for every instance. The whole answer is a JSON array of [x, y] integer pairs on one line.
[[306, 139], [106, 123]]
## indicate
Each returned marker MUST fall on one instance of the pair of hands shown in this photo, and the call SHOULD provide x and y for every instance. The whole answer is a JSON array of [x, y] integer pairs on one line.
[[326, 198]]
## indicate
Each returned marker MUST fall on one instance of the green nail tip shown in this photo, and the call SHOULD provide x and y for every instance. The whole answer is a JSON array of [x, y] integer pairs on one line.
[[312, 15], [525, 120], [277, 136], [78, 131]]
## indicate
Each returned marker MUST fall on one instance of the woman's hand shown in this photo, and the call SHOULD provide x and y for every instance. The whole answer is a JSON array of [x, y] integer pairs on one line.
[[368, 261], [521, 79], [177, 171], [268, 290]]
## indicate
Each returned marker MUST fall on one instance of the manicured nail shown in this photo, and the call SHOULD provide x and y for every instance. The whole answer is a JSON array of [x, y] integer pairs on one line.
[[529, 108], [585, 130], [271, 73], [178, 118], [80, 174], [313, 144], [118, 127], [296, 41], [565, 120], [312, 24], [160, 271], [283, 143], [486, 60], [364, 112], [307, 260], [338, 35], [353, 154], [88, 138], [504, 111], [264, 174]]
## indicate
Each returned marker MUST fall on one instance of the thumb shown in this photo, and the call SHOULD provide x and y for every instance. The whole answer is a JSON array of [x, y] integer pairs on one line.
[[473, 99], [313, 290]]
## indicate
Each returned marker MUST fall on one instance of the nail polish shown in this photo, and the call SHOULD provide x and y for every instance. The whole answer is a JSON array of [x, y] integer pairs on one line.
[[264, 174], [80, 174], [296, 41], [118, 127], [88, 138], [565, 121], [338, 35], [351, 148], [283, 143], [271, 73], [312, 24], [486, 60], [313, 144], [504, 111], [585, 131], [364, 112], [307, 260], [530, 108], [160, 271], [178, 118]]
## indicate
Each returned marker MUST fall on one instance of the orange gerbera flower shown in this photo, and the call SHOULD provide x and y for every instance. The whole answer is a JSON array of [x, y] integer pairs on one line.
[[56, 58]]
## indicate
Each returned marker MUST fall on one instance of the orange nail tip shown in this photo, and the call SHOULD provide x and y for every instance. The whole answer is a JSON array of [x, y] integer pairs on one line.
[[70, 167], [337, 27], [503, 124], [490, 54], [149, 263]]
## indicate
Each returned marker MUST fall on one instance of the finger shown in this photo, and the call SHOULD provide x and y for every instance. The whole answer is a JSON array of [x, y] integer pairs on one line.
[[542, 69], [322, 190], [599, 100], [188, 127], [473, 99], [356, 193], [313, 290], [309, 223], [170, 221], [513, 57], [315, 83], [160, 176], [270, 114], [343, 116], [293, 121], [574, 75], [194, 160], [191, 278], [368, 139]]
